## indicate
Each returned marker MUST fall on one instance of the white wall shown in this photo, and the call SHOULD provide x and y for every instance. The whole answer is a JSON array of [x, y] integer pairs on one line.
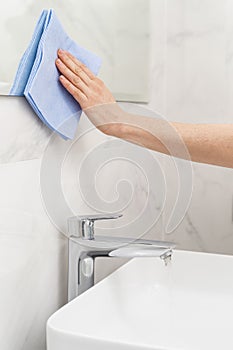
[[33, 255], [191, 80], [43, 181]]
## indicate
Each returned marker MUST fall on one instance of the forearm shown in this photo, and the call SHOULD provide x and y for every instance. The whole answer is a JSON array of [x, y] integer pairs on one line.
[[203, 143], [208, 143]]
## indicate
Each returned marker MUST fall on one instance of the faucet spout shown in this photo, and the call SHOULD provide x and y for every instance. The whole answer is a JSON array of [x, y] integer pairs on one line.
[[141, 251]]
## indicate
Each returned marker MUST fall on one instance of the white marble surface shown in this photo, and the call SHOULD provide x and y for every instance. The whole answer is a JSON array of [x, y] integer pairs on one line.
[[23, 136], [198, 89], [192, 82], [116, 30], [33, 259], [95, 173]]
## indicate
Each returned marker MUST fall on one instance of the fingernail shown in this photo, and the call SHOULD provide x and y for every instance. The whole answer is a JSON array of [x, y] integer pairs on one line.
[[58, 61], [61, 51]]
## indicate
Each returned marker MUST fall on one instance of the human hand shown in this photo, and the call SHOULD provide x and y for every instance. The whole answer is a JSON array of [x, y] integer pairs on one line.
[[81, 83]]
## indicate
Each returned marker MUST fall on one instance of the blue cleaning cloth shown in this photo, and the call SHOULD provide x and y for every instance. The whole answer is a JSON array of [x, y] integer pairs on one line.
[[37, 77]]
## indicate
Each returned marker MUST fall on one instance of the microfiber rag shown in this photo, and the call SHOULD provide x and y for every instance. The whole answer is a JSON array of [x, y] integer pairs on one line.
[[37, 77]]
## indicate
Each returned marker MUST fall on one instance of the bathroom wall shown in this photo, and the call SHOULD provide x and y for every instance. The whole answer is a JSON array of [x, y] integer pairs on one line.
[[192, 81], [32, 253], [44, 179]]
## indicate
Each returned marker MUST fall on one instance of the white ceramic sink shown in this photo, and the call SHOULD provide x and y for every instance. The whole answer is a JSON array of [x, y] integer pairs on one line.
[[187, 305]]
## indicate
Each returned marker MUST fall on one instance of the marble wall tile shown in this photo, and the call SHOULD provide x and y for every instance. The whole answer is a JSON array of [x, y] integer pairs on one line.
[[33, 258], [23, 136], [195, 61], [229, 58], [158, 23], [207, 223], [198, 90]]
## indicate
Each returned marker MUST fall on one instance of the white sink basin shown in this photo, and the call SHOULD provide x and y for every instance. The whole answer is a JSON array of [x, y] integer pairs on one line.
[[187, 305]]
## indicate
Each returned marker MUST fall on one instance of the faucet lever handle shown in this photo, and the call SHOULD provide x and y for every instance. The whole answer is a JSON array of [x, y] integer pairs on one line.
[[86, 224]]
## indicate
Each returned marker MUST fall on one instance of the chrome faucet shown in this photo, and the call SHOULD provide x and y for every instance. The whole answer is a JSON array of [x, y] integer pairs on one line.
[[84, 247]]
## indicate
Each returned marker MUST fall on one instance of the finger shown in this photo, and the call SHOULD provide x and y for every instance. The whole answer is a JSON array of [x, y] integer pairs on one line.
[[77, 70], [74, 91], [80, 64], [73, 78], [76, 66]]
